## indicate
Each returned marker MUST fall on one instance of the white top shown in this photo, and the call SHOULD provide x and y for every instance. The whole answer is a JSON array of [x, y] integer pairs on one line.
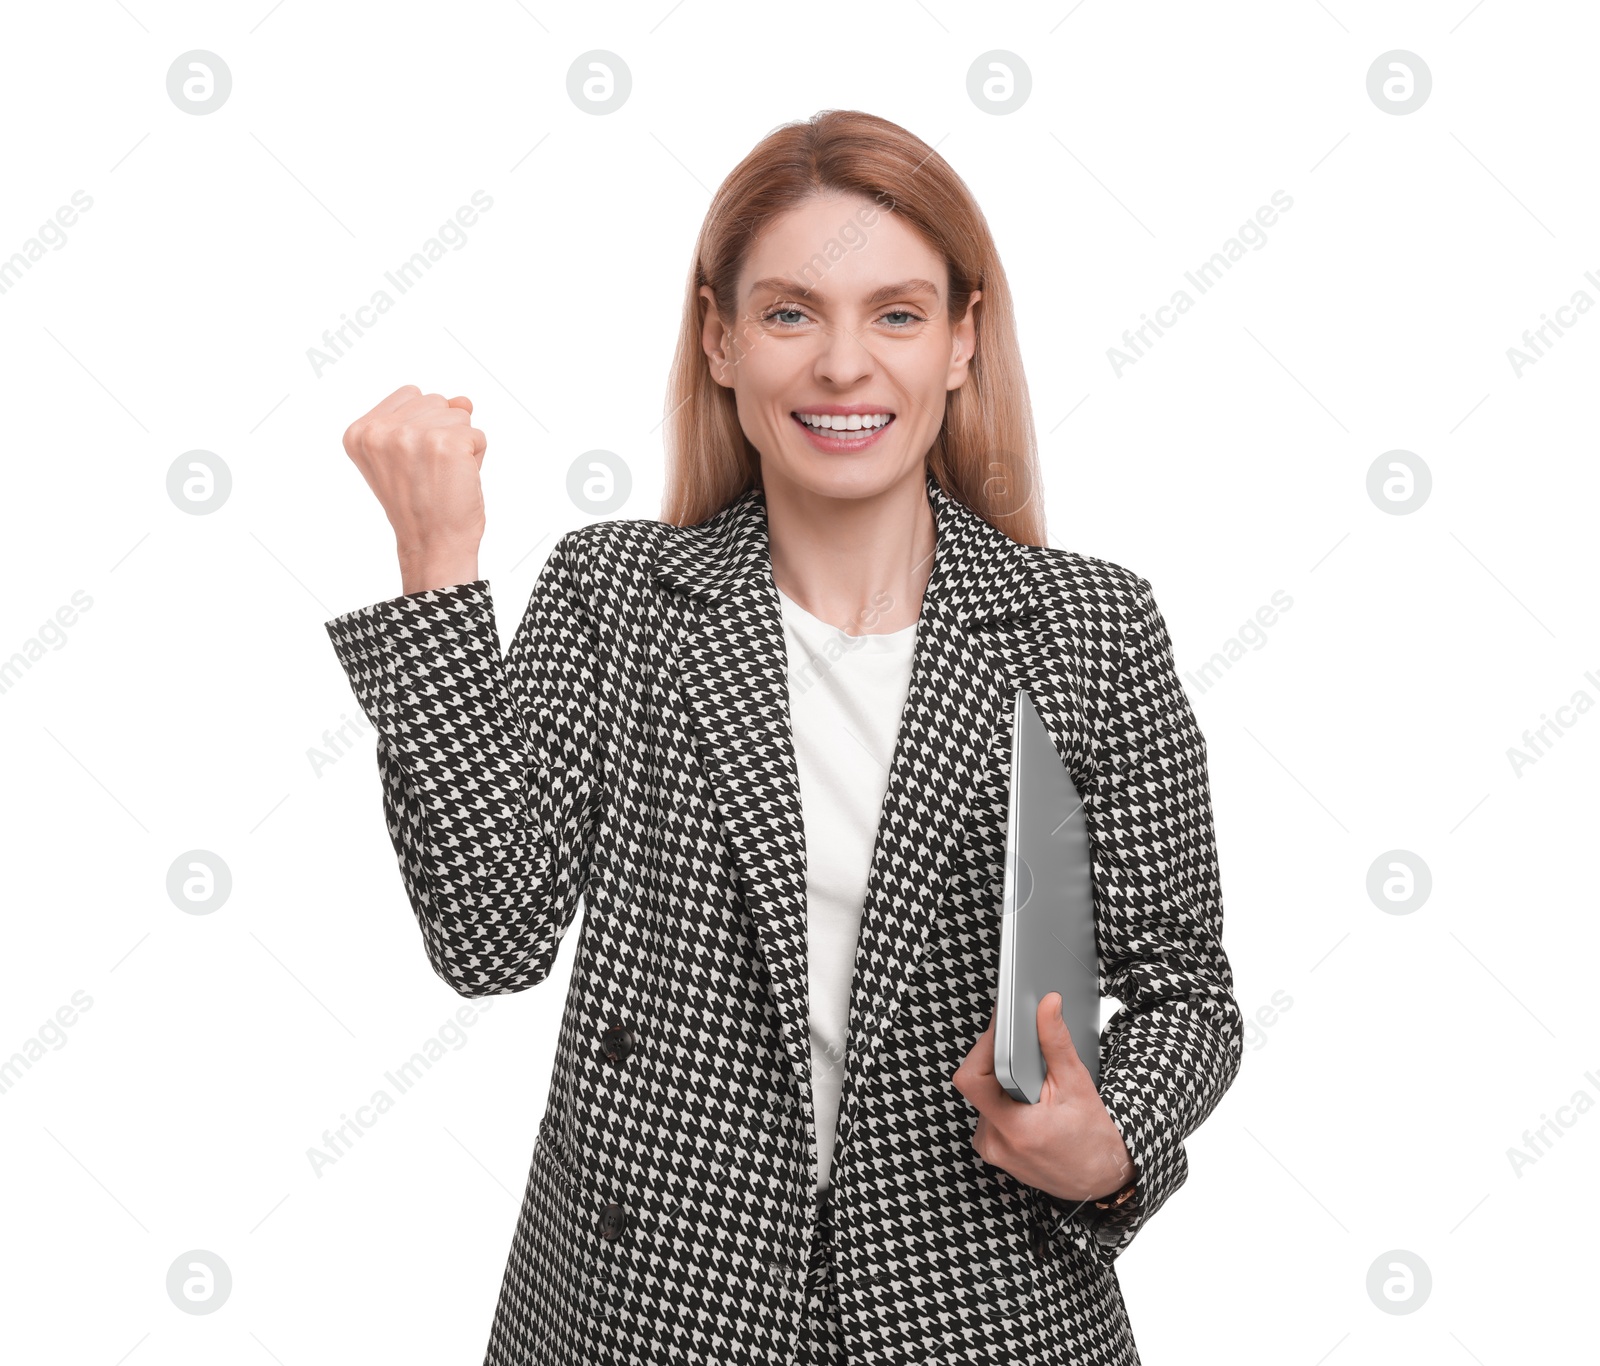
[[845, 697]]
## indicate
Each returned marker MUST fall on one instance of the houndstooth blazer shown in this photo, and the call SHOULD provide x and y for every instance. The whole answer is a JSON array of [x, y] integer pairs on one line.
[[634, 748]]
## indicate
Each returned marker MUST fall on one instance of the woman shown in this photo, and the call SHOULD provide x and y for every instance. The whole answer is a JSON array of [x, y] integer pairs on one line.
[[767, 739]]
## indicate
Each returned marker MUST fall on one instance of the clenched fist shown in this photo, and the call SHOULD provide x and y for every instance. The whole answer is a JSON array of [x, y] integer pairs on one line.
[[421, 456]]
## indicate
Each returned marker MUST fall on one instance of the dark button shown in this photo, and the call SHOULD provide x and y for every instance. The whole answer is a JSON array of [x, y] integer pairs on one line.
[[613, 1219], [617, 1042], [1039, 1240]]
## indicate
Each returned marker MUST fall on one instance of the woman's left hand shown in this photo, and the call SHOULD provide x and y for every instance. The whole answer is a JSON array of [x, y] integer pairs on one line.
[[1065, 1144]]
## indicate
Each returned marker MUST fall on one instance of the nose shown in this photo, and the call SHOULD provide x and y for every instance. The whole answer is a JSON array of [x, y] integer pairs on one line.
[[843, 361]]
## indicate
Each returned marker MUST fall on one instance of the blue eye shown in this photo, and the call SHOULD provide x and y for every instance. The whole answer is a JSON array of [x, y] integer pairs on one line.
[[775, 314]]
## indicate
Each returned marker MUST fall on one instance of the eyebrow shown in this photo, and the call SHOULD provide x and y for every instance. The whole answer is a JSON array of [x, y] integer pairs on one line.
[[899, 290]]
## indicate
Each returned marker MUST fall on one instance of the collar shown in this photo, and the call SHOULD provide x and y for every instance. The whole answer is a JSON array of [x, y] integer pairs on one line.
[[979, 573]]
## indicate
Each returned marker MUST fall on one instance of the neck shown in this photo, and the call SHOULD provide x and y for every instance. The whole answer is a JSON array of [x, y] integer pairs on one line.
[[861, 564]]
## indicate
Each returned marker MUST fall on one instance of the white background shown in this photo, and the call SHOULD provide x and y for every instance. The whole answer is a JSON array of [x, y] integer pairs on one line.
[[1376, 1111]]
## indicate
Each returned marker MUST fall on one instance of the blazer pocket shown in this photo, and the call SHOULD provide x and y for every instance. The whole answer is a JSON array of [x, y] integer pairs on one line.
[[1069, 1233], [549, 1268]]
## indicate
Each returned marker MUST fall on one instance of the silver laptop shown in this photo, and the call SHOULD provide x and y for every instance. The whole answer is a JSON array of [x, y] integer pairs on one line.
[[1047, 917]]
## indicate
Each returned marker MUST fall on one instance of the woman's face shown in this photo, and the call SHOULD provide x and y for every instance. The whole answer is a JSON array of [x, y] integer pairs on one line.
[[843, 320]]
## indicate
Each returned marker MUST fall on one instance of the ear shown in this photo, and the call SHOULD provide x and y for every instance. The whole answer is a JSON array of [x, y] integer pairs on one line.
[[714, 340], [964, 343]]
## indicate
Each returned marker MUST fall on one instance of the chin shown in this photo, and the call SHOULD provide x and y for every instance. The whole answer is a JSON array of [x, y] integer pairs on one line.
[[844, 478]]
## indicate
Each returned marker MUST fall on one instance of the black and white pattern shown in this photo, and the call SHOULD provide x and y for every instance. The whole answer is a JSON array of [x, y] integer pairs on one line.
[[633, 746]]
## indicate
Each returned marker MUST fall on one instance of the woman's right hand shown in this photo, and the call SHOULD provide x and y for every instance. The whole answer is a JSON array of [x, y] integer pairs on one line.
[[421, 456]]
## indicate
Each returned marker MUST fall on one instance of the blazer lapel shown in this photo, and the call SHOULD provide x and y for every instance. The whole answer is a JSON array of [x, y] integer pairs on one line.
[[731, 659], [956, 702]]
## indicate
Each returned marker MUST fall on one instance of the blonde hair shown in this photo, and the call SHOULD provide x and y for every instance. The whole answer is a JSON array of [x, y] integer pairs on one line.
[[985, 454]]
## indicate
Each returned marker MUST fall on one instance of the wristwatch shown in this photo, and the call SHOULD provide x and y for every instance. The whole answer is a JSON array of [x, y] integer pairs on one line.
[[1119, 1198]]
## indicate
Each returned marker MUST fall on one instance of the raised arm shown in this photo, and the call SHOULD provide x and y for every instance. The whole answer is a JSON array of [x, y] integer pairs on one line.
[[492, 767], [1173, 1048]]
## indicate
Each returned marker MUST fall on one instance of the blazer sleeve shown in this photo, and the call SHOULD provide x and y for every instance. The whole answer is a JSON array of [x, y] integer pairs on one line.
[[1174, 1047], [491, 767]]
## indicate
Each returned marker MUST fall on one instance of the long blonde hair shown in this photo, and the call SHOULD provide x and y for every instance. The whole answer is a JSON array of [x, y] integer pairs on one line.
[[985, 454]]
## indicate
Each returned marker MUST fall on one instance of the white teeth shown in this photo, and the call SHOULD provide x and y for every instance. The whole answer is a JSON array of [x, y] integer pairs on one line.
[[854, 423]]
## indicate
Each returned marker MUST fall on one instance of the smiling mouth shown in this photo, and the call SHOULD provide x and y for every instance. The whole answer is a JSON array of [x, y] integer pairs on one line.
[[843, 433]]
